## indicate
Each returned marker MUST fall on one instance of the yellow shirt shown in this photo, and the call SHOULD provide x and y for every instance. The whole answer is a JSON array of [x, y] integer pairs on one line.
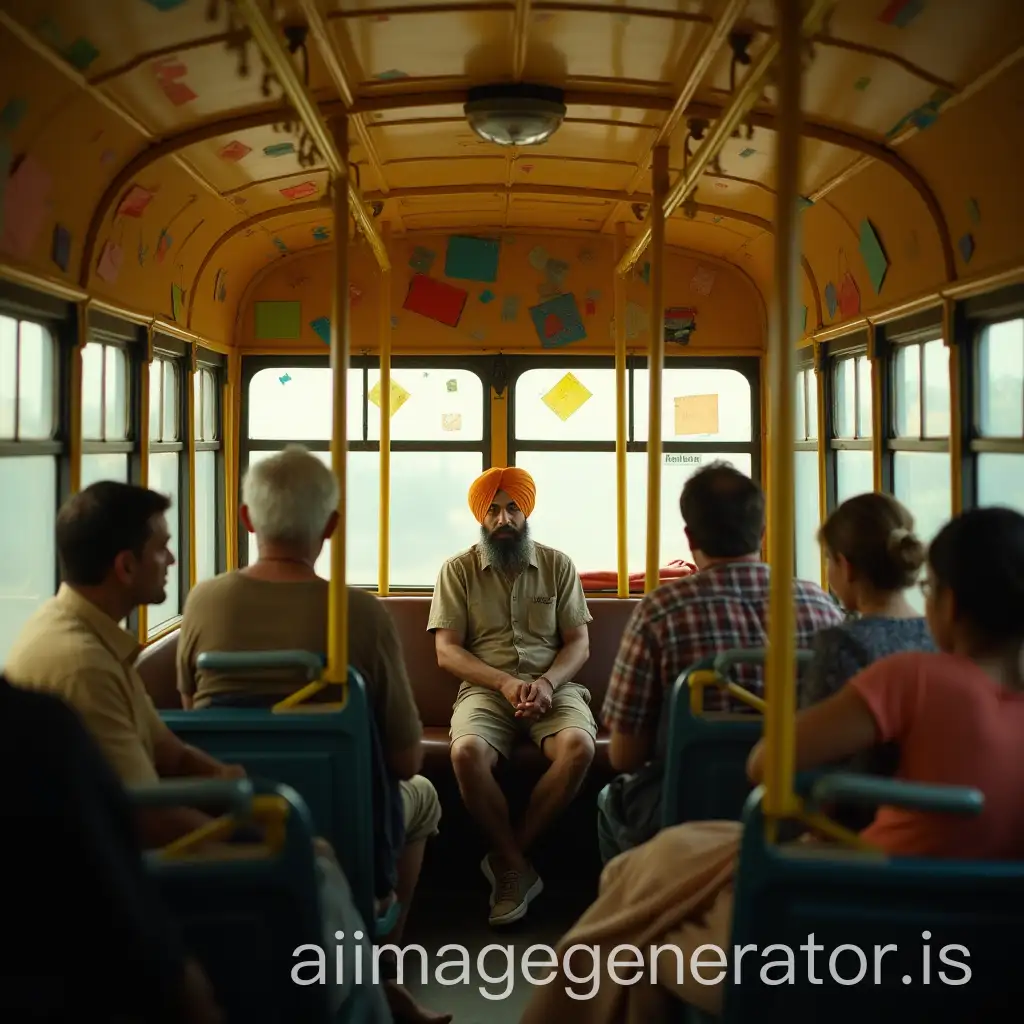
[[72, 649]]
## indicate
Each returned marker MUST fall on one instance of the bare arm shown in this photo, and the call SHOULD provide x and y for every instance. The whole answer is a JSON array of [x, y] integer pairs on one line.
[[571, 658], [454, 658]]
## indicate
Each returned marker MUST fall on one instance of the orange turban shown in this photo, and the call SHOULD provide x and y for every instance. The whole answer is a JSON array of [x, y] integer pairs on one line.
[[515, 482]]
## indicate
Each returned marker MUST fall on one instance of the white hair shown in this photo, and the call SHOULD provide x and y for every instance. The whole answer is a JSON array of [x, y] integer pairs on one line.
[[290, 496]]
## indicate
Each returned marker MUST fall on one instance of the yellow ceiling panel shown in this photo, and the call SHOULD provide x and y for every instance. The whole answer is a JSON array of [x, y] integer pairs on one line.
[[581, 138], [613, 45], [441, 112], [578, 172], [452, 220], [418, 173], [305, 187], [449, 140], [428, 45]]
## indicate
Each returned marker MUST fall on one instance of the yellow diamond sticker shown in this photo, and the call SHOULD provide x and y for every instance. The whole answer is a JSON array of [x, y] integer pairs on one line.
[[566, 397], [399, 396]]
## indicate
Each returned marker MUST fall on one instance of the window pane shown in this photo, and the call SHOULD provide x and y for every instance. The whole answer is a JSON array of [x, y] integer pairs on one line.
[[211, 429], [936, 379], [291, 403], [172, 394], [163, 477], [590, 541], [799, 412], [865, 386], [846, 399], [854, 474], [724, 404], [28, 554], [117, 394], [156, 377], [1000, 380], [921, 482], [807, 517], [92, 391], [197, 405], [36, 393], [8, 374], [1001, 479], [812, 404], [434, 484], [429, 405], [206, 515], [104, 466], [555, 404], [907, 386]]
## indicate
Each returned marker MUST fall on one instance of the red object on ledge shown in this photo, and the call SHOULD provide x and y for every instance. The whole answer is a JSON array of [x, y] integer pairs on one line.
[[603, 580]]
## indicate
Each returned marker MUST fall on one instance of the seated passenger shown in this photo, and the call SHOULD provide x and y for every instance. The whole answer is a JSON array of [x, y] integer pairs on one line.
[[76, 852], [722, 607], [873, 557], [290, 502], [112, 541], [510, 621], [958, 717]]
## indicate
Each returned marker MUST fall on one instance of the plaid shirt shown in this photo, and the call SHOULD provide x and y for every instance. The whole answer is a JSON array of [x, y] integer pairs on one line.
[[724, 607]]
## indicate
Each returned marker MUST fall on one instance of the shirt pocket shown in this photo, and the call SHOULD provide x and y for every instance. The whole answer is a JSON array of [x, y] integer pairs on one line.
[[543, 618]]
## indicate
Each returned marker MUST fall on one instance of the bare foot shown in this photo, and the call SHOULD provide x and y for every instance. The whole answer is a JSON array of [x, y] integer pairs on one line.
[[407, 1011]]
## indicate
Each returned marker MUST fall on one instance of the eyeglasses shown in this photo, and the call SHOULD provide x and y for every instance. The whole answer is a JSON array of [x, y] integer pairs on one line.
[[925, 587]]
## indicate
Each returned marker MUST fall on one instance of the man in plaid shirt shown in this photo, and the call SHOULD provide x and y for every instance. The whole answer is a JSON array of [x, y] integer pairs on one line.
[[723, 607]]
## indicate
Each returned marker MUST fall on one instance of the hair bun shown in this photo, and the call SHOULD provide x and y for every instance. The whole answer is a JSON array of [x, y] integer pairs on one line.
[[906, 548]]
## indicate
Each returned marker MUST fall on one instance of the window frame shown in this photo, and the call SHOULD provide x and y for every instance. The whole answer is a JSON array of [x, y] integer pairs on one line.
[[214, 364], [177, 352], [748, 366], [973, 318], [805, 368], [128, 444], [853, 346], [483, 367]]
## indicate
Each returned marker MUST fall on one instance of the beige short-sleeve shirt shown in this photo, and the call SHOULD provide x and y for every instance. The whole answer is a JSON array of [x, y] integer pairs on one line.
[[72, 649], [512, 627]]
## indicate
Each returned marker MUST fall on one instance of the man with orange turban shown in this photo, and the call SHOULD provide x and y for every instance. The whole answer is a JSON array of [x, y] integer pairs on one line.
[[509, 620]]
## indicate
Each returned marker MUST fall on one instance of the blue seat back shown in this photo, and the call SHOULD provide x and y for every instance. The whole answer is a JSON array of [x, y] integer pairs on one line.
[[323, 754], [706, 759], [243, 919], [784, 894]]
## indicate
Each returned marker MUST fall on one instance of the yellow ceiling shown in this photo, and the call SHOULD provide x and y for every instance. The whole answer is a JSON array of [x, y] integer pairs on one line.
[[151, 93]]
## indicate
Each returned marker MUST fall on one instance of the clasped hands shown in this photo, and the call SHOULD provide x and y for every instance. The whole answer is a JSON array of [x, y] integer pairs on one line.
[[531, 700]]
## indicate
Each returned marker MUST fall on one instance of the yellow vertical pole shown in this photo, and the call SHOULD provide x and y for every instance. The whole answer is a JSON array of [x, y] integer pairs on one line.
[[956, 447], [384, 524], [780, 682], [619, 308], [824, 448], [655, 365], [337, 620]]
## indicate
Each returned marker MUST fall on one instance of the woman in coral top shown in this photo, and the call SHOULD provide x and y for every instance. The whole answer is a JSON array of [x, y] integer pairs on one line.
[[957, 715]]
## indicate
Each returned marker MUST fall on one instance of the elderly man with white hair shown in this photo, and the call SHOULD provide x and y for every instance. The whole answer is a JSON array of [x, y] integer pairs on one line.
[[289, 501]]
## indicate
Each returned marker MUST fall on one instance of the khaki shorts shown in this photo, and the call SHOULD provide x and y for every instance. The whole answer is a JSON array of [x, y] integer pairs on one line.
[[481, 712], [421, 808]]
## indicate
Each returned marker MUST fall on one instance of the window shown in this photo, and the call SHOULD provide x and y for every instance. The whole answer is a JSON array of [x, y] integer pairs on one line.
[[438, 445], [29, 451], [851, 427], [920, 445], [562, 427], [998, 438], [807, 509], [106, 442], [166, 448], [209, 470]]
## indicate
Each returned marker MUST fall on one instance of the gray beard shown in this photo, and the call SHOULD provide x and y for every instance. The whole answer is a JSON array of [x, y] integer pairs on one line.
[[511, 555]]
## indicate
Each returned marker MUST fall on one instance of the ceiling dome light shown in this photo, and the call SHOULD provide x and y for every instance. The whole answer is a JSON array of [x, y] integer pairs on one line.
[[515, 115]]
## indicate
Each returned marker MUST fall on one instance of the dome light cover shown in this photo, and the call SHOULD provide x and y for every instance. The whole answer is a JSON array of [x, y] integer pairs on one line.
[[515, 115]]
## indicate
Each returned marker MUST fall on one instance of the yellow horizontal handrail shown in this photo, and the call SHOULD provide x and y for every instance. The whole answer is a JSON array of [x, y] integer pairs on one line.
[[270, 811], [700, 680], [296, 698]]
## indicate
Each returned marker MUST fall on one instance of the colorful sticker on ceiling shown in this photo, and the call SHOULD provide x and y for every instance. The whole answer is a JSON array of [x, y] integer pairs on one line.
[[279, 245], [177, 302], [923, 116], [748, 152], [307, 188], [435, 300], [585, 255], [277, 321], [644, 272], [170, 73], [399, 396], [680, 323], [831, 300], [220, 286], [80, 54], [862, 83], [234, 151], [966, 247], [26, 206], [538, 258], [284, 378], [901, 12], [141, 250], [108, 267], [164, 5], [510, 308], [60, 249], [555, 270], [568, 396], [974, 211], [558, 322], [390, 76], [322, 327], [802, 203], [135, 201], [874, 255], [321, 234], [472, 259], [422, 259], [703, 280], [279, 149], [486, 296], [849, 297]]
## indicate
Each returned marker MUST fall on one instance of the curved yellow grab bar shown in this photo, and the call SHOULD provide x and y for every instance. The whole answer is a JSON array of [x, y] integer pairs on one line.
[[269, 811], [703, 678], [296, 698], [821, 823]]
